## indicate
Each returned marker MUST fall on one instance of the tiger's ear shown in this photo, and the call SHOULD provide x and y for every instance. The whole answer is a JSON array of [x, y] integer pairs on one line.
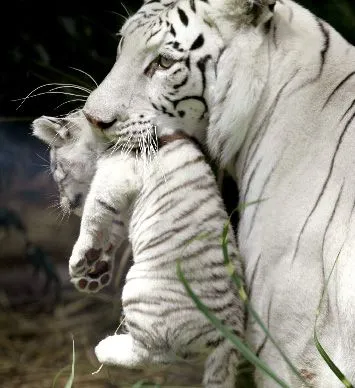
[[49, 130], [231, 15]]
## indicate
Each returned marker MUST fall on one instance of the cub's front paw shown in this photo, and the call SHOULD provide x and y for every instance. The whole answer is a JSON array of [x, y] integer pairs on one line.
[[83, 257], [95, 278]]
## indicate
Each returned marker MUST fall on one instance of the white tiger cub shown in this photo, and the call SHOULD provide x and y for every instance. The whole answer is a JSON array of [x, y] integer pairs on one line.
[[74, 151], [170, 202]]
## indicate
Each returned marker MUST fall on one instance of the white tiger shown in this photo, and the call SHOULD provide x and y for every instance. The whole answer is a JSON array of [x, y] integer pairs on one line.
[[165, 225], [275, 85]]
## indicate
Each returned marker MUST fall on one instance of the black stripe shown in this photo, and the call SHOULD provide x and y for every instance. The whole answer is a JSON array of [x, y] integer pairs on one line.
[[199, 41], [221, 51], [200, 334], [250, 289], [325, 184], [274, 33], [201, 64], [251, 177], [180, 186], [153, 34], [267, 26], [329, 223], [183, 17], [272, 7], [108, 207], [250, 154], [187, 62], [174, 230], [167, 235], [262, 346], [195, 207], [170, 174], [172, 30], [165, 207], [193, 5], [252, 278], [218, 213], [325, 48], [180, 85], [338, 87], [260, 198], [140, 334], [348, 110]]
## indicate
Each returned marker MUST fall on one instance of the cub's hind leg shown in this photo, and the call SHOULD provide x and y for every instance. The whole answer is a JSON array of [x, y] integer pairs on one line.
[[121, 350], [124, 350], [220, 367]]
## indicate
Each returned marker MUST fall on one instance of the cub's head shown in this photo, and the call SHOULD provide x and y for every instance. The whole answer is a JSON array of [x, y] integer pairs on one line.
[[165, 71], [74, 149]]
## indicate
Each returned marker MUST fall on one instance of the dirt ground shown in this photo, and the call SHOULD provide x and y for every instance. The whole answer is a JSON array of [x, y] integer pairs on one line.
[[37, 333]]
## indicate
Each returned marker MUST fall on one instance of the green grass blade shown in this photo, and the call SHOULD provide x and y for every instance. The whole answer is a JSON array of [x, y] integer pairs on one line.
[[331, 364], [319, 347], [56, 377], [227, 332], [70, 381]]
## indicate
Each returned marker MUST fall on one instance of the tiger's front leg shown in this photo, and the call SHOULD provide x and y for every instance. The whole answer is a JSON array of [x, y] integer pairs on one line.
[[103, 228]]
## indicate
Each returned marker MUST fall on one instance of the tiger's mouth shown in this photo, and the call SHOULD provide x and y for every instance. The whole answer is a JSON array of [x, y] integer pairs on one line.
[[134, 133]]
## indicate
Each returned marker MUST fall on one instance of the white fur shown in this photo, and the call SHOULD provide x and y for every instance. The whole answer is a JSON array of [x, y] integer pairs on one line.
[[165, 206], [270, 123]]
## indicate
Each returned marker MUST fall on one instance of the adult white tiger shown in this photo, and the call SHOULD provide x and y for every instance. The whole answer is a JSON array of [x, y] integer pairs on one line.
[[280, 112]]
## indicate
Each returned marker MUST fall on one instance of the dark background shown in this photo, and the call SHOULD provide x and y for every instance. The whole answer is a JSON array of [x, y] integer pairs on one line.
[[42, 40]]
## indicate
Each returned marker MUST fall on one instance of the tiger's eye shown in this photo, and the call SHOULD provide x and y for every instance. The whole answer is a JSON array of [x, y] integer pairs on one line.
[[165, 62], [159, 63]]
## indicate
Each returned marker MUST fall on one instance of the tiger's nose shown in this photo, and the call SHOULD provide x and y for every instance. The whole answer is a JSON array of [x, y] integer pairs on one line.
[[98, 123]]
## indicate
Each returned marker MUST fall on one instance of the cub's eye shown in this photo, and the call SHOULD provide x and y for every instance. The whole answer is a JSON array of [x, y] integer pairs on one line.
[[165, 62], [159, 63]]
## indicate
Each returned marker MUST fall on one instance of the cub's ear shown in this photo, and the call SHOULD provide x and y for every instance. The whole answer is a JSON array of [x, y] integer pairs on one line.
[[49, 130]]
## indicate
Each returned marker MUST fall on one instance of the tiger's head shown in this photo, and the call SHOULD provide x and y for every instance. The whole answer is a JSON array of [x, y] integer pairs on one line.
[[74, 149], [165, 72]]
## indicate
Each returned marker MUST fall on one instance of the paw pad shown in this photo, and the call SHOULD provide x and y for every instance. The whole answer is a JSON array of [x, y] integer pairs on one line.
[[100, 268], [92, 255]]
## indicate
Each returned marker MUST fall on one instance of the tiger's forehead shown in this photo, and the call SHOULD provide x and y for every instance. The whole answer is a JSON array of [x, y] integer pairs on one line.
[[150, 15], [155, 19]]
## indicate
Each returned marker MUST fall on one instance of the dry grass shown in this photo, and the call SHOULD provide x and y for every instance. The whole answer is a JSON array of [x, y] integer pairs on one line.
[[35, 346]]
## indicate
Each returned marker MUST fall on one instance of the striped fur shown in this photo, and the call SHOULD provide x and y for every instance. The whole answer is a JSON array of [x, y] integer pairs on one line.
[[274, 85], [175, 213]]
